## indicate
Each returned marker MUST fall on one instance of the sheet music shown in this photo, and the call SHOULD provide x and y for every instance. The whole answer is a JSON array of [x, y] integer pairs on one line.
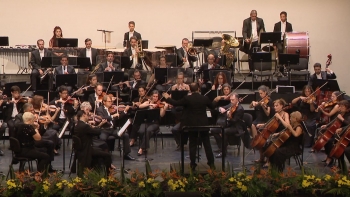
[[63, 129], [121, 131]]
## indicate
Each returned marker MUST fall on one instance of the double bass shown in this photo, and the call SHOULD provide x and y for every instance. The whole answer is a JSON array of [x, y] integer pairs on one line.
[[343, 140]]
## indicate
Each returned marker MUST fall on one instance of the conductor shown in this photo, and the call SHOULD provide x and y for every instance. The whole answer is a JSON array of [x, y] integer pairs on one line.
[[194, 114]]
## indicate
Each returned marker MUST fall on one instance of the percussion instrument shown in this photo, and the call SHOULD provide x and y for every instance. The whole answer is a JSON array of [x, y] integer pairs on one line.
[[16, 57], [153, 55], [297, 41], [170, 49]]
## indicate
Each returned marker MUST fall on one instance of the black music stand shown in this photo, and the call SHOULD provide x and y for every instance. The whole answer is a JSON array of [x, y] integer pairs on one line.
[[83, 62], [178, 95], [125, 62], [146, 116], [56, 61], [134, 93], [270, 37], [118, 76], [67, 42], [171, 60], [144, 44], [202, 42], [4, 41], [66, 79], [7, 89], [288, 59], [46, 62], [161, 75], [261, 57], [332, 85]]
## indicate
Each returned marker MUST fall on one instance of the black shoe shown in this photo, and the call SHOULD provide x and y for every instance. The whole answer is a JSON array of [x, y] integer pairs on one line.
[[128, 157], [193, 167], [330, 164], [1, 153], [218, 155]]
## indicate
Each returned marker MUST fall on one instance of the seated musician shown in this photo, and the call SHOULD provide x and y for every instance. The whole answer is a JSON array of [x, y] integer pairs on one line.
[[234, 116], [278, 111], [135, 106], [65, 69], [133, 52], [95, 99], [307, 105], [12, 107], [48, 137], [184, 58], [68, 107], [206, 66], [329, 109], [220, 79], [109, 129], [27, 133], [292, 145], [57, 33], [131, 33], [109, 65], [180, 85], [35, 61], [88, 154], [262, 108], [344, 117], [161, 84], [136, 82], [151, 127], [89, 52], [328, 74]]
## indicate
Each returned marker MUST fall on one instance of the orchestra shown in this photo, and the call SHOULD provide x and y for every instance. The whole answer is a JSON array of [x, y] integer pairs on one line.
[[96, 116]]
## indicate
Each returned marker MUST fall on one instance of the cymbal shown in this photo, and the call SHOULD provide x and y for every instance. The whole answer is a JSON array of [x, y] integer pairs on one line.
[[266, 48]]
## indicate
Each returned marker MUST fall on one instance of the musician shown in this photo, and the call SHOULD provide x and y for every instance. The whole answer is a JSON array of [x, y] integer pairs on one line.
[[89, 52], [57, 33], [220, 79], [292, 145], [109, 129], [344, 117], [328, 74], [95, 99], [35, 61], [137, 82], [329, 109], [27, 133], [109, 65], [206, 66], [282, 26], [262, 108], [153, 127], [64, 69], [162, 85], [133, 52], [88, 154], [252, 27], [194, 109], [180, 85], [307, 105], [131, 33], [185, 59]]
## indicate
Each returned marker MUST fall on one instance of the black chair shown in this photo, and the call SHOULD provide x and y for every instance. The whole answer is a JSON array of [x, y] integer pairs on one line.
[[262, 69], [301, 69], [155, 135], [16, 148], [76, 148]]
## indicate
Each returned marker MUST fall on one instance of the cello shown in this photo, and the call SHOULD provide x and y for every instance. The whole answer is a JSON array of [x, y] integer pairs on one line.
[[343, 140], [327, 134], [277, 142]]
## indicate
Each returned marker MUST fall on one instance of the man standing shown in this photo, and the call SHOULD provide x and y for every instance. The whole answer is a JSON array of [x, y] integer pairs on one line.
[[252, 27], [89, 52], [282, 26], [131, 33], [184, 59], [194, 114]]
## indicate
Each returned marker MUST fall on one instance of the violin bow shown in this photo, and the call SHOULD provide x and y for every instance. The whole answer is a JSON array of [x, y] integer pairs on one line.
[[268, 95], [109, 83], [318, 88], [26, 90], [165, 92]]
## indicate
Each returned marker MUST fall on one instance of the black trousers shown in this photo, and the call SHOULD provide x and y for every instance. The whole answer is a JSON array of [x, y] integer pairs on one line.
[[176, 130], [113, 132], [151, 129], [48, 145], [229, 133], [250, 60], [34, 153], [35, 76], [193, 138], [104, 155], [12, 129]]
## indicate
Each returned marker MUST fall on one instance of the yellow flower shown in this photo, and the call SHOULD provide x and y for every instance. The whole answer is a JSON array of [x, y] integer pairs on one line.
[[244, 188], [155, 185], [240, 174], [46, 187], [318, 180], [150, 180], [102, 182], [70, 185], [232, 179], [11, 184], [77, 180], [182, 189], [142, 184], [64, 182], [344, 178], [59, 185], [327, 177]]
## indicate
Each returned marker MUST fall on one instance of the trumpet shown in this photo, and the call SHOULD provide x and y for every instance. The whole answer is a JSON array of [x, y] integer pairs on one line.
[[191, 51], [45, 73], [96, 67]]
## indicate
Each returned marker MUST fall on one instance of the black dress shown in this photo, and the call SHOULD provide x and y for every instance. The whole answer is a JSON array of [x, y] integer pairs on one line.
[[286, 150], [260, 114]]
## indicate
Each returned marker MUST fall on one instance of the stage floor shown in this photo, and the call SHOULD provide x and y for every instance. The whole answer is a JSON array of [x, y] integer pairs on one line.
[[164, 157]]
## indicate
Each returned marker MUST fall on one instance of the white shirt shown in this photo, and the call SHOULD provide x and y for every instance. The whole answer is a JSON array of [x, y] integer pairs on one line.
[[109, 115], [185, 53], [41, 52], [88, 54], [14, 110], [64, 69], [283, 29], [134, 60], [210, 66], [131, 34], [108, 66], [319, 76], [98, 103], [62, 115], [254, 31], [134, 84]]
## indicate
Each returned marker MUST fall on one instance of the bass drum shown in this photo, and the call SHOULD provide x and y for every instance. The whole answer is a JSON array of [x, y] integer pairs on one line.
[[294, 41]]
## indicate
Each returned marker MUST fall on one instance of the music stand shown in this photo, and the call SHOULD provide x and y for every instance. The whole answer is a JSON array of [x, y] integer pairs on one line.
[[56, 61], [118, 76], [67, 42], [83, 62], [61, 135], [144, 44], [161, 75], [125, 62], [171, 60], [288, 59], [223, 102], [7, 89], [66, 79], [332, 85], [146, 116], [178, 95], [134, 94], [269, 37], [46, 62], [261, 57], [43, 93], [205, 43], [4, 41]]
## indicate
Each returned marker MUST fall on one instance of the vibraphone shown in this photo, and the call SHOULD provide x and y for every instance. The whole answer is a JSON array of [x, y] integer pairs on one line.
[[14, 56]]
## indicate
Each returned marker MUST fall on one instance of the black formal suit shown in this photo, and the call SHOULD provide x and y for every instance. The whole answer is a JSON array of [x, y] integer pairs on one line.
[[35, 61], [194, 114], [247, 33], [68, 111], [7, 112], [85, 156], [59, 70], [107, 130], [93, 56], [139, 83], [181, 54], [104, 66], [128, 53], [277, 28], [92, 100], [126, 37], [324, 76]]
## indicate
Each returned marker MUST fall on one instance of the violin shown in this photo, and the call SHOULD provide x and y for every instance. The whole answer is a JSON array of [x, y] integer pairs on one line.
[[310, 99], [231, 111], [69, 100], [113, 109], [159, 104], [100, 97]]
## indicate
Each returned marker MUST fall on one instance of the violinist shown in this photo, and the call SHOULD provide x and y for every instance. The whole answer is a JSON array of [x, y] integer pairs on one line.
[[220, 79], [306, 104], [68, 107], [234, 125], [95, 99], [104, 113], [136, 82], [292, 145], [279, 112], [329, 109], [262, 108], [153, 103], [344, 117], [180, 85], [141, 98]]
